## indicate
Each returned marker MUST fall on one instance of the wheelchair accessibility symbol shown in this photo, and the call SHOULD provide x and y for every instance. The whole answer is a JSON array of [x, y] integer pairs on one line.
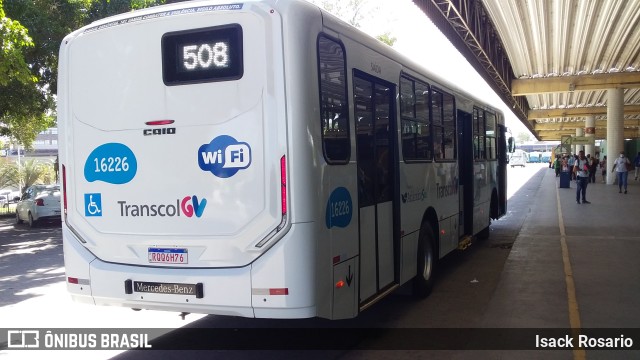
[[93, 204]]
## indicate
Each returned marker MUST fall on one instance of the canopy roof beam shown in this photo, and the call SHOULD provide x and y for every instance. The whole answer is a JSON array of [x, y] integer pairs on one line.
[[536, 86]]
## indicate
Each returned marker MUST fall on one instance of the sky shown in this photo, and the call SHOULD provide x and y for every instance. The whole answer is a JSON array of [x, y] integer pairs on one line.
[[412, 28]]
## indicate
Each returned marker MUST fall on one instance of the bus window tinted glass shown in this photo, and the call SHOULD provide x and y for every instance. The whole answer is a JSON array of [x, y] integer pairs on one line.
[[364, 112], [415, 114], [436, 125], [449, 124], [333, 101], [407, 100], [490, 119]]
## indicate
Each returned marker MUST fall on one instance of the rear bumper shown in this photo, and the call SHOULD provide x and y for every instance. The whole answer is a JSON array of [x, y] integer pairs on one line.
[[55, 217], [242, 291]]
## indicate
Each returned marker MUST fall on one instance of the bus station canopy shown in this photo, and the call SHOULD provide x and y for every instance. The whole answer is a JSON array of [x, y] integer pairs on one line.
[[551, 61]]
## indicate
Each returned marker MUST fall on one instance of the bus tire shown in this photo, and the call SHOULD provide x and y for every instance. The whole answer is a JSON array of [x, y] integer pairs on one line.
[[423, 282], [494, 208], [493, 214]]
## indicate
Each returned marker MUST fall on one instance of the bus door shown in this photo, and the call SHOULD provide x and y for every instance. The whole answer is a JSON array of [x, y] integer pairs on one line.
[[376, 154], [465, 174]]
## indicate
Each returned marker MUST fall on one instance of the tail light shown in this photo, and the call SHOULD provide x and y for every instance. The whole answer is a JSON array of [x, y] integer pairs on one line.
[[283, 184], [39, 202], [283, 203]]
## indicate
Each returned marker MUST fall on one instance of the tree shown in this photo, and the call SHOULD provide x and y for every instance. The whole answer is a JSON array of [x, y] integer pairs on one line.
[[351, 11], [27, 104], [523, 137], [14, 39], [28, 173], [8, 175], [26, 108], [355, 12]]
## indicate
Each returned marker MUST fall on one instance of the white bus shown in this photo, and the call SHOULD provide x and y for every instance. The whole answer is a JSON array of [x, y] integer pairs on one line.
[[263, 159]]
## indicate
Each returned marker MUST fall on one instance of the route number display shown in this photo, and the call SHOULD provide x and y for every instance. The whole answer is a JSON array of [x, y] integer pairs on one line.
[[202, 55]]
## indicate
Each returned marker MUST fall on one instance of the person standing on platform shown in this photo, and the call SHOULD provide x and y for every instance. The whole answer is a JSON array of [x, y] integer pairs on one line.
[[620, 166], [581, 169], [603, 167], [593, 168], [571, 161], [557, 165]]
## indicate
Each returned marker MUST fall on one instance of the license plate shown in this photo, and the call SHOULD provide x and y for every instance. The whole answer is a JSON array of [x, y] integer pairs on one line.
[[168, 256], [164, 288]]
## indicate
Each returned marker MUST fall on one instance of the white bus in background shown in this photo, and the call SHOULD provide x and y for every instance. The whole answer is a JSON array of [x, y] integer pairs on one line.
[[263, 159]]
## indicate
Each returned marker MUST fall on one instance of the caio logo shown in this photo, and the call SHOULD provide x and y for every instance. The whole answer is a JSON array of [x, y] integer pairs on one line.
[[159, 131]]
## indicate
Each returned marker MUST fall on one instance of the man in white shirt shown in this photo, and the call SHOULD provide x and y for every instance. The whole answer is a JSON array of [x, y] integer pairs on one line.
[[581, 169]]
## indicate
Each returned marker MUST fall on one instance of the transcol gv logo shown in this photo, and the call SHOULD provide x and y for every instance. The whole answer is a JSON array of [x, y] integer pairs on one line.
[[224, 156], [187, 206]]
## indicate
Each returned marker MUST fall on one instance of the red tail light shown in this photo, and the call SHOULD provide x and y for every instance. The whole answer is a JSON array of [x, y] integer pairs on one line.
[[159, 122], [283, 183], [283, 203], [39, 202], [64, 188]]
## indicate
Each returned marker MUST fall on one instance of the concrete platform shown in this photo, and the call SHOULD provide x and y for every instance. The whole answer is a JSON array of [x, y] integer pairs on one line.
[[572, 265]]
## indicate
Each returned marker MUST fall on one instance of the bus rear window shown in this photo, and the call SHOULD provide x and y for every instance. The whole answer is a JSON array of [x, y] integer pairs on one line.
[[202, 55]]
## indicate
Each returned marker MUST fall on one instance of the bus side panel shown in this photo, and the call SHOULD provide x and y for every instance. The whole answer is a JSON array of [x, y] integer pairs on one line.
[[445, 201], [318, 190], [280, 269], [484, 183], [339, 239], [77, 260]]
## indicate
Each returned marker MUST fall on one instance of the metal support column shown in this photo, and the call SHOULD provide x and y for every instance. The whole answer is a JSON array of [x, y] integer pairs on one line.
[[578, 148], [590, 132]]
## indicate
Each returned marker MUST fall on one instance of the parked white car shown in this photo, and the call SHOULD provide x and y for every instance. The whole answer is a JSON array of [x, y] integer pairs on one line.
[[39, 203]]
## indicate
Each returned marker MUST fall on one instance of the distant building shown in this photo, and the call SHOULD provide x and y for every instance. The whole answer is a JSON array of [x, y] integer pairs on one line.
[[45, 144]]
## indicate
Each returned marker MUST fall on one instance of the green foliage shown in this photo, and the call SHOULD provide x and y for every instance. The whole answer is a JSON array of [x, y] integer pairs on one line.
[[30, 172], [523, 137], [8, 174], [14, 39], [387, 38], [23, 112], [29, 59], [48, 21], [355, 12], [351, 11]]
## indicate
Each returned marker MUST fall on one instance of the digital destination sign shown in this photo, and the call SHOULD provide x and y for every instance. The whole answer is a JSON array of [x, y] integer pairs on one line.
[[202, 55]]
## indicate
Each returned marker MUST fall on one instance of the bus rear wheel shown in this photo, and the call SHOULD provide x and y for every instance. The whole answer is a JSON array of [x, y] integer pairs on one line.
[[423, 282]]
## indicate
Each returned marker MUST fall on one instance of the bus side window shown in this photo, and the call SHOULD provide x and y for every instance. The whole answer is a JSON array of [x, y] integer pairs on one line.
[[334, 105], [414, 105]]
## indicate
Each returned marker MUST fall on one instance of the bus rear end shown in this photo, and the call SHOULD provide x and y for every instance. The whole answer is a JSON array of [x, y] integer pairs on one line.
[[174, 163]]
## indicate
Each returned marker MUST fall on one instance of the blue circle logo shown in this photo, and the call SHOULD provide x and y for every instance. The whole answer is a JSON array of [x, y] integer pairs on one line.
[[339, 208], [224, 156]]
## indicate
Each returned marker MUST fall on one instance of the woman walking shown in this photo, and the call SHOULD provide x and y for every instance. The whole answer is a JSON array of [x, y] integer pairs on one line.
[[620, 166]]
